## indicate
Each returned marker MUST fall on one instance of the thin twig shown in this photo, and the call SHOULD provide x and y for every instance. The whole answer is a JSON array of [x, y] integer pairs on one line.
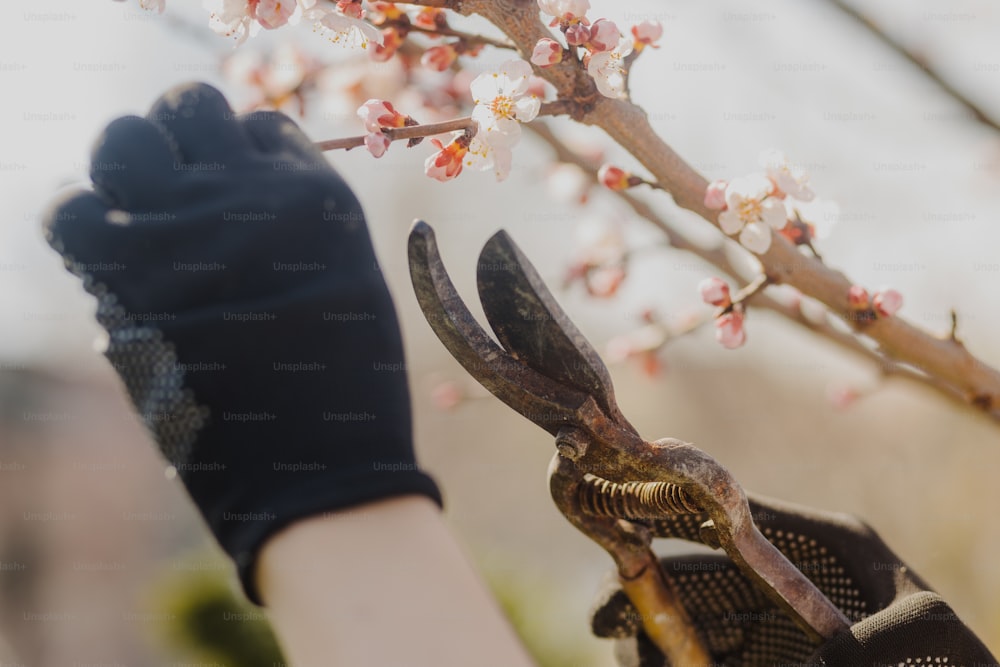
[[920, 63], [467, 37], [464, 124]]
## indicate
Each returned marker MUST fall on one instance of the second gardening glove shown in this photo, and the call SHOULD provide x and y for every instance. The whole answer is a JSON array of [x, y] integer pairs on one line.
[[896, 619]]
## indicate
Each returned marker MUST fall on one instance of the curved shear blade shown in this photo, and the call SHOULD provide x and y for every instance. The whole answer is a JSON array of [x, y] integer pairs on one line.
[[544, 401], [534, 329]]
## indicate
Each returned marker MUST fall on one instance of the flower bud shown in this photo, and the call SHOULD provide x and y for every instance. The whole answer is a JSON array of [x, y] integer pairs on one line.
[[729, 330], [857, 298], [715, 195], [715, 292], [547, 52], [887, 301]]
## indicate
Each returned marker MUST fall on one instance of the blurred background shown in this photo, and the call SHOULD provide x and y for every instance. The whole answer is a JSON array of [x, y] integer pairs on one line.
[[104, 561]]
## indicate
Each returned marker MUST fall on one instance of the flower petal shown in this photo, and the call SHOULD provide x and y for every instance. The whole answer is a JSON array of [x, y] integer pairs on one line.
[[484, 87], [773, 213], [730, 221], [756, 237], [526, 108]]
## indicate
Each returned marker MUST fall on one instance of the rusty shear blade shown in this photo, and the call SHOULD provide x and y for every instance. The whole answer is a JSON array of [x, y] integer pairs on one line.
[[549, 404], [534, 329]]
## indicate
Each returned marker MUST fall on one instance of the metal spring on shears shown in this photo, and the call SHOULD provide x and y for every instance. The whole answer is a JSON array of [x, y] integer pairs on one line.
[[634, 500]]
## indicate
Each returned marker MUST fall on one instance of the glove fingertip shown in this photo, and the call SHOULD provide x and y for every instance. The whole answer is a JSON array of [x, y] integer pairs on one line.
[[274, 132], [70, 216], [613, 615]]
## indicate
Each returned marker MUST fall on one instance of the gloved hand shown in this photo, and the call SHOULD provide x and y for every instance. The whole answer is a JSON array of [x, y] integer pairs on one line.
[[896, 619], [246, 314]]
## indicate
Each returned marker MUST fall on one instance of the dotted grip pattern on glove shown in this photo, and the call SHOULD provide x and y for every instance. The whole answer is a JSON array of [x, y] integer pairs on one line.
[[896, 619]]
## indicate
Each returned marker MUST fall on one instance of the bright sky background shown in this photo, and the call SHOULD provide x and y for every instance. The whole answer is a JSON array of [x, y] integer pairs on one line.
[[834, 100]]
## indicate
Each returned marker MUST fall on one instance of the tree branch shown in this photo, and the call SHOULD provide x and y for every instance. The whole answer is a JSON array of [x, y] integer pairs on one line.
[[954, 370], [920, 63], [465, 124]]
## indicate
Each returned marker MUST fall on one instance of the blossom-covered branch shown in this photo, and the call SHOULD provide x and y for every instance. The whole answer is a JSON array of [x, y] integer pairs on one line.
[[587, 63], [465, 124], [954, 369]]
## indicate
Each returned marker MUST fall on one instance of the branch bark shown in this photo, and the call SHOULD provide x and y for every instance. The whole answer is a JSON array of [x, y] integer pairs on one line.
[[955, 369]]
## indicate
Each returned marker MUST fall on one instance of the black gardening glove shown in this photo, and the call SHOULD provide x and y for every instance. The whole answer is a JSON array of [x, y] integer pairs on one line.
[[896, 619], [246, 314]]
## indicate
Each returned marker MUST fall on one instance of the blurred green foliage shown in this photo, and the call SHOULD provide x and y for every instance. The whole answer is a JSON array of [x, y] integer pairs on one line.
[[209, 621]]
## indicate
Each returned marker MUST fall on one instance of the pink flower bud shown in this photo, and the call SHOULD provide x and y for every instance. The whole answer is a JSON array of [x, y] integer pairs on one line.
[[391, 41], [604, 35], [857, 298], [604, 281], [547, 52], [729, 330], [431, 18], [439, 58], [349, 8], [272, 14], [376, 114], [715, 292], [377, 143], [715, 195], [446, 164], [614, 178], [887, 302], [647, 33], [577, 34]]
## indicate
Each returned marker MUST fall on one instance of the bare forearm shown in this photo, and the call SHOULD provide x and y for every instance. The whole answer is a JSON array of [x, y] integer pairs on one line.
[[382, 584]]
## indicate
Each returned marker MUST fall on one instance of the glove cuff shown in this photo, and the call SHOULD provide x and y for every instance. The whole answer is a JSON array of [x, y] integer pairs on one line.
[[919, 629]]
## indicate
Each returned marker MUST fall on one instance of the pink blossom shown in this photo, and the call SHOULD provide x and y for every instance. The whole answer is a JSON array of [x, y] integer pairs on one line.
[[430, 18], [887, 301], [577, 34], [857, 298], [647, 33], [715, 195], [377, 143], [607, 68], [788, 178], [604, 35], [348, 28], [351, 8], [274, 13], [614, 178], [376, 114], [391, 41], [752, 212], [715, 292], [547, 52], [565, 9], [446, 164], [503, 103], [729, 330], [439, 58]]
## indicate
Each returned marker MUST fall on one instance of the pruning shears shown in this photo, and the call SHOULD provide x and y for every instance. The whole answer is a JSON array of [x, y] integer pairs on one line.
[[605, 478]]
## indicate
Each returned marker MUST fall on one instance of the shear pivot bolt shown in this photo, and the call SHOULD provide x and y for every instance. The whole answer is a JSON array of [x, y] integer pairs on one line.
[[571, 444]]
